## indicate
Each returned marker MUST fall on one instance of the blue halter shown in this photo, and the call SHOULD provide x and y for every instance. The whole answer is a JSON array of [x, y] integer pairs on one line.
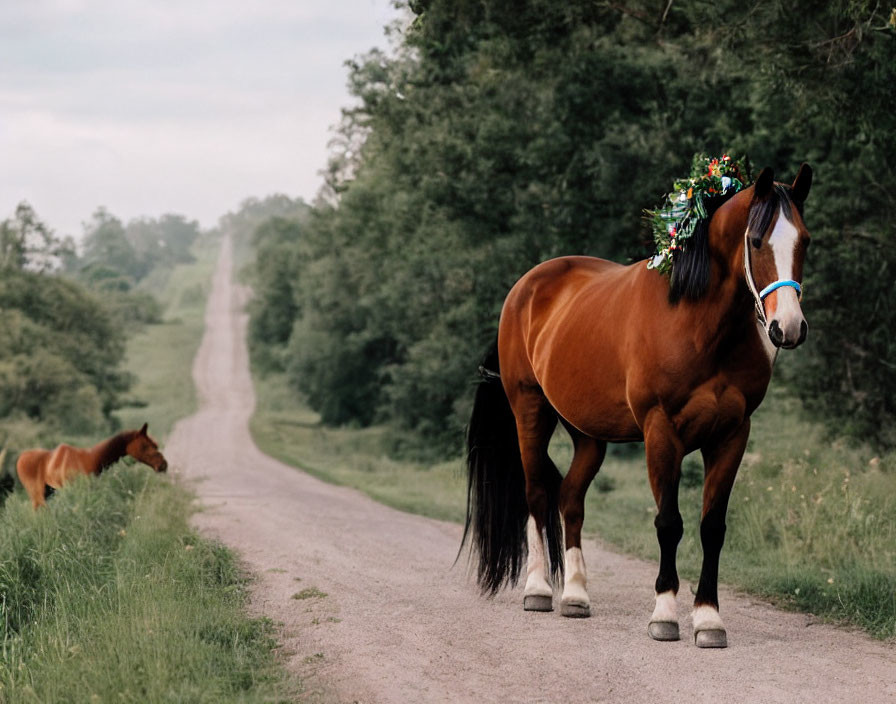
[[760, 296], [778, 284]]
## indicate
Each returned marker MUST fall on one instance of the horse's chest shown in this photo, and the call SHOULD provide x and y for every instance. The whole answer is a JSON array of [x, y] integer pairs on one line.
[[712, 410]]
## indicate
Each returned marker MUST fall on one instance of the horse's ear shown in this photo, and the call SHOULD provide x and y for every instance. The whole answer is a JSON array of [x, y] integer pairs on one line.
[[764, 183], [143, 429], [802, 183]]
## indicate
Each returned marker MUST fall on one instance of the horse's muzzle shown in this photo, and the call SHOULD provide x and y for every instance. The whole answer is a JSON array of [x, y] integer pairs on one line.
[[778, 338], [163, 467]]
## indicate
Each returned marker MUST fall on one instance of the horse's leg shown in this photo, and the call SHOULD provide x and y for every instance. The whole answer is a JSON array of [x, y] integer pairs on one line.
[[664, 454], [31, 477], [589, 453], [538, 594], [721, 459], [38, 495], [536, 421]]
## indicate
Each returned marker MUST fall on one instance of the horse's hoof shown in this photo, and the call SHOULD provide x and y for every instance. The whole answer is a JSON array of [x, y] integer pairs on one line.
[[712, 638], [573, 610], [538, 602], [663, 630]]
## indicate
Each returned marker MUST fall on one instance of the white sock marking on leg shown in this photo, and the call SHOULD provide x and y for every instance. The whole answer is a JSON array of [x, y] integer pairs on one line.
[[706, 618], [666, 608], [536, 568], [575, 579]]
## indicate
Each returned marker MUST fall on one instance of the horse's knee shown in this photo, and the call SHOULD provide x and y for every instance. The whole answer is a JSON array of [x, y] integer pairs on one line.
[[571, 507], [712, 531], [573, 514], [669, 528]]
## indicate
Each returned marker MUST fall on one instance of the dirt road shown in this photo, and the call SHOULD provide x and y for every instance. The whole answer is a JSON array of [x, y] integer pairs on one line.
[[382, 616]]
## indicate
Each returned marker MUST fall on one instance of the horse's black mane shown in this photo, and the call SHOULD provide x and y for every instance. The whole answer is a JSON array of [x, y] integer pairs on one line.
[[113, 449], [690, 268]]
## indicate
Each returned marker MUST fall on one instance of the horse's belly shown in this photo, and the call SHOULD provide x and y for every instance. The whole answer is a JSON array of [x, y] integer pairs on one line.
[[614, 425], [598, 408], [586, 383]]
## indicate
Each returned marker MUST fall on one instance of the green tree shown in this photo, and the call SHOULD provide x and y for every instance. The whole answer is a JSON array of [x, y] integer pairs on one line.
[[164, 241], [274, 307], [60, 355], [500, 134], [107, 249], [27, 243]]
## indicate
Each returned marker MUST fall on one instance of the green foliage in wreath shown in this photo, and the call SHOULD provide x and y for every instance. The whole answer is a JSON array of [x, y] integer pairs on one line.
[[674, 222]]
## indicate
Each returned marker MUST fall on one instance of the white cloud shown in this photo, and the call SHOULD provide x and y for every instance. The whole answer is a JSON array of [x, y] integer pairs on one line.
[[150, 107]]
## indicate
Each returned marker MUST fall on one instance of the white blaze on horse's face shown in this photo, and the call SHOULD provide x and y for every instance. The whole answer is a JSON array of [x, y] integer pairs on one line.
[[786, 324]]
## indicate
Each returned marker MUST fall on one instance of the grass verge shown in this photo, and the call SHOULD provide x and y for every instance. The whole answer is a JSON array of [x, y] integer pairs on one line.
[[109, 595], [811, 524], [285, 429]]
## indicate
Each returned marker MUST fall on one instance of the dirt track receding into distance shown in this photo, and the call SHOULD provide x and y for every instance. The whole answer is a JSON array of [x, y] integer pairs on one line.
[[398, 624]]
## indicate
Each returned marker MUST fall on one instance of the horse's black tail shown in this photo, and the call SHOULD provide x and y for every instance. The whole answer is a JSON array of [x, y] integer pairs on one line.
[[497, 510]]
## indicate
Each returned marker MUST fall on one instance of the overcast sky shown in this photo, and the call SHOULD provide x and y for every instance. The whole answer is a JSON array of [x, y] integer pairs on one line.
[[187, 106]]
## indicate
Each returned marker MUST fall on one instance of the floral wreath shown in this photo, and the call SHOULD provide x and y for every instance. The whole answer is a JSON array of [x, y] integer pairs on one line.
[[674, 222]]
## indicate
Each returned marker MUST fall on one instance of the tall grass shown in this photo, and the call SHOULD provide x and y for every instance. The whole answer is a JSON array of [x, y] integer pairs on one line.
[[811, 524], [109, 596]]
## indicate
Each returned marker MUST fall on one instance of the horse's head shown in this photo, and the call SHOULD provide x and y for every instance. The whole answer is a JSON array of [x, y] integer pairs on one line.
[[144, 449], [774, 249]]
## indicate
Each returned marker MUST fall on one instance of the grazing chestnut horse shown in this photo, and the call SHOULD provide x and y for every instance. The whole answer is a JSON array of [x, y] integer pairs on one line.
[[619, 354], [42, 470]]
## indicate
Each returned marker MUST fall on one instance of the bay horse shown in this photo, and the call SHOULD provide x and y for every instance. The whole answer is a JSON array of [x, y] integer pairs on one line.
[[43, 470], [621, 354]]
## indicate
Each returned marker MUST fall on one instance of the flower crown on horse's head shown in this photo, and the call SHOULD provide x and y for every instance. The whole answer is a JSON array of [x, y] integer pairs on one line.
[[674, 222]]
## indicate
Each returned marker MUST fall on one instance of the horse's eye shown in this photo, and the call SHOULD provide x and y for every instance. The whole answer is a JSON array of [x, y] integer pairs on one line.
[[757, 243]]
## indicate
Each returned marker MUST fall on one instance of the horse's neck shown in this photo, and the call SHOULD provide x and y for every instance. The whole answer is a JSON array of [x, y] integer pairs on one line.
[[728, 305], [110, 451], [726, 248]]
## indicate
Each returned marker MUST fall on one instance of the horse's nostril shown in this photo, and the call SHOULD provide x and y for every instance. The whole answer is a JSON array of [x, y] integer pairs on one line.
[[804, 331], [775, 334], [163, 467]]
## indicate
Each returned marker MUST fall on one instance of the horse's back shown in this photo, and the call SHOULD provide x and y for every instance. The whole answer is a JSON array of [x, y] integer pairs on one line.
[[565, 328], [560, 273], [574, 296]]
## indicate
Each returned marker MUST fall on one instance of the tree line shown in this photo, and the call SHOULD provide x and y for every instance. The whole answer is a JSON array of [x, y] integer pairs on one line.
[[498, 134]]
